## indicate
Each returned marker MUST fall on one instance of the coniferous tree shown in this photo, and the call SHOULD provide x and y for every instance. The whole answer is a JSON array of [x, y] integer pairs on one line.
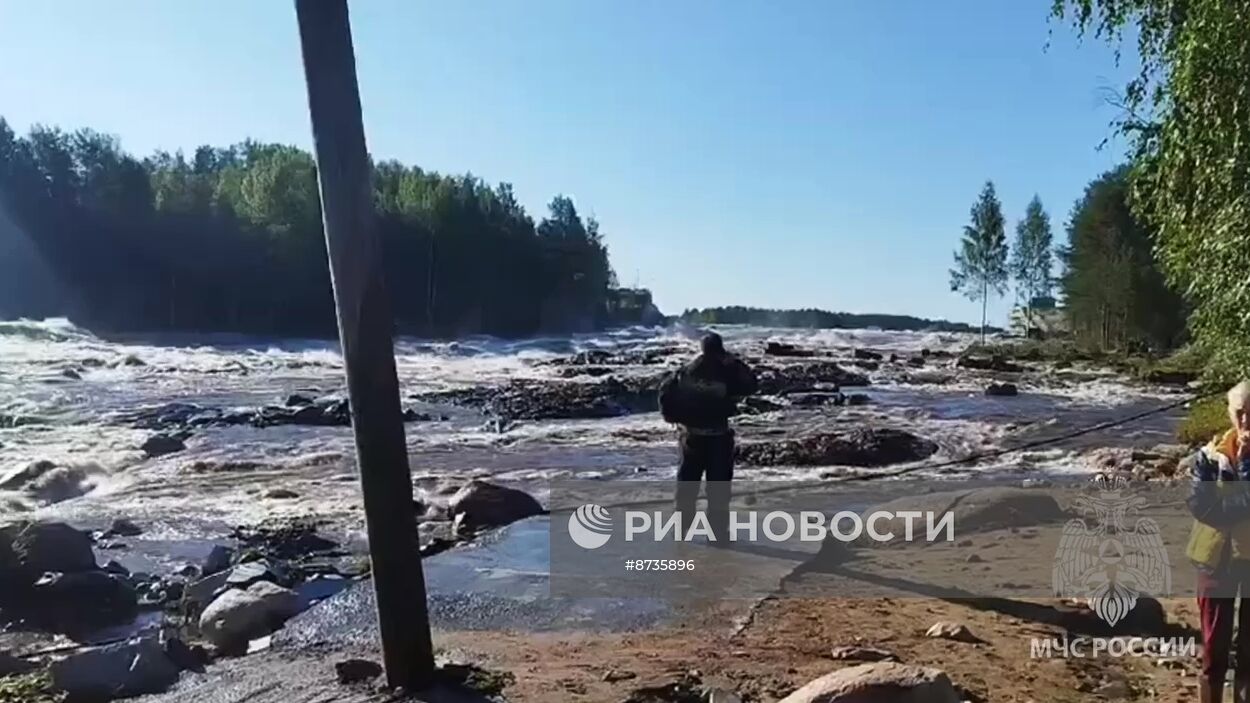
[[981, 259]]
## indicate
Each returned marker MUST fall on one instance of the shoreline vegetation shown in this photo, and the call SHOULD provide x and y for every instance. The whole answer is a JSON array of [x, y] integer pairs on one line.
[[229, 239], [812, 318]]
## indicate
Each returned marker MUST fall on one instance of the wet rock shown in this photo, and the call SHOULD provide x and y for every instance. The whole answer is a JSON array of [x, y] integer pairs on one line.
[[132, 668], [161, 444], [952, 631], [250, 572], [806, 376], [33, 548], [62, 483], [880, 682], [285, 538], [132, 360], [198, 594], [295, 400], [559, 400], [480, 504], [988, 363], [280, 494], [435, 536], [1002, 389], [866, 355], [237, 616], [862, 654], [21, 477], [783, 349], [218, 559], [122, 527], [866, 365], [71, 374], [861, 447], [94, 596], [916, 361], [857, 399], [352, 671]]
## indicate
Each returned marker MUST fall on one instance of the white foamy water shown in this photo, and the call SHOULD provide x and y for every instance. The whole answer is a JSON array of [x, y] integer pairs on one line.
[[62, 390]]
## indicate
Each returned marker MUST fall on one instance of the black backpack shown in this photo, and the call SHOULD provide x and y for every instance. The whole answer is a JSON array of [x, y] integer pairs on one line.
[[673, 403]]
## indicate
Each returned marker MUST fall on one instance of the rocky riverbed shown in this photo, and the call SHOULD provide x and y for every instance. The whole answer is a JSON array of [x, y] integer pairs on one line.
[[203, 491]]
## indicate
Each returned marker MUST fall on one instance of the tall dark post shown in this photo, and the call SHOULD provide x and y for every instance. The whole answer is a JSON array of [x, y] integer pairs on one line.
[[364, 318]]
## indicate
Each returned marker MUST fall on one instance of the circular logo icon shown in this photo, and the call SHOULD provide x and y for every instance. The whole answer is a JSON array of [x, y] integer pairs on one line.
[[590, 526]]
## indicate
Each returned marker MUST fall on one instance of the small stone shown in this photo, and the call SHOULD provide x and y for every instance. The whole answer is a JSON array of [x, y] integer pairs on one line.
[[122, 527], [613, 675], [280, 494], [974, 559], [952, 631], [352, 671], [862, 654]]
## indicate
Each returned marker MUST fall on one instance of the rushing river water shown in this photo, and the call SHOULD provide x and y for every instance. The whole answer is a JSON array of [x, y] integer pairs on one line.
[[63, 391]]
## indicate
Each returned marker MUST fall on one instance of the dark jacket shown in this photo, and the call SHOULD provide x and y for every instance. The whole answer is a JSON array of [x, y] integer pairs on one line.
[[711, 386]]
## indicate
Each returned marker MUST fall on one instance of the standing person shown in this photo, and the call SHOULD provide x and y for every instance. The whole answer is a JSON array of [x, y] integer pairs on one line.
[[700, 397], [1219, 546]]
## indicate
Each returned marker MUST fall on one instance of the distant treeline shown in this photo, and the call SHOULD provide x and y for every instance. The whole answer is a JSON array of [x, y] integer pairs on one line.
[[229, 239], [819, 319]]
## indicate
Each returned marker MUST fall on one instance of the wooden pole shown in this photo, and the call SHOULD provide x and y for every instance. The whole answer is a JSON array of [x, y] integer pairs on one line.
[[364, 320]]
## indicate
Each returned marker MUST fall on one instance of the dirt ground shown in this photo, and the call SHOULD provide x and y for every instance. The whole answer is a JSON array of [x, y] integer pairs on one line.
[[789, 642]]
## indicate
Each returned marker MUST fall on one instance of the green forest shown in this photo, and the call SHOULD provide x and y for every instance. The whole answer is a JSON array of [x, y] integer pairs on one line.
[[1116, 296], [229, 239], [817, 319], [1186, 119]]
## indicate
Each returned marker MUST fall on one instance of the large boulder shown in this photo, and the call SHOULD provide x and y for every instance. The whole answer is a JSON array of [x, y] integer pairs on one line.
[[861, 447], [479, 504], [880, 682], [237, 616], [124, 669], [1002, 389], [94, 596], [162, 444], [28, 549]]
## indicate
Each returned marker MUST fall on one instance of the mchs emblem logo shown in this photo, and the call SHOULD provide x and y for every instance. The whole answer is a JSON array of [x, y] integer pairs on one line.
[[1116, 557]]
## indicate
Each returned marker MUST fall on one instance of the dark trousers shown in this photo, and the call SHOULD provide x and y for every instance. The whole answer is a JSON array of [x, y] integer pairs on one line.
[[710, 457], [1218, 611]]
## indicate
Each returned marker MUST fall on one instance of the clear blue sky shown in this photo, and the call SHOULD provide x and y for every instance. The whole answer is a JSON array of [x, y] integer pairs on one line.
[[794, 154]]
